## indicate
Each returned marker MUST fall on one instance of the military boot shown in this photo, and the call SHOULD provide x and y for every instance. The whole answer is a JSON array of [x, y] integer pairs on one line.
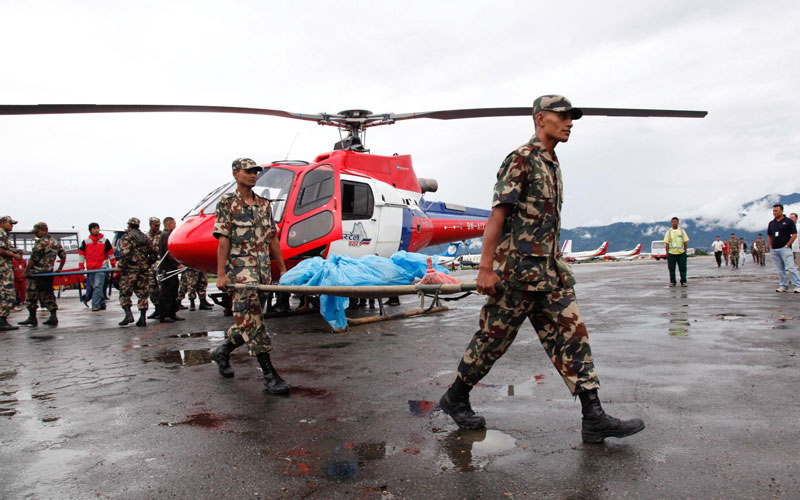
[[31, 321], [272, 381], [52, 320], [191, 304], [5, 326], [156, 313], [597, 425], [455, 403], [142, 318], [205, 305], [221, 355], [128, 316]]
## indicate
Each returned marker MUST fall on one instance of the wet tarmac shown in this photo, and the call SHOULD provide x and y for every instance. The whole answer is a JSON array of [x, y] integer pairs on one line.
[[92, 410]]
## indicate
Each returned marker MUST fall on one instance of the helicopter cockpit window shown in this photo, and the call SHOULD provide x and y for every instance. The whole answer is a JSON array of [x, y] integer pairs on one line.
[[274, 184], [357, 201], [208, 205], [315, 191]]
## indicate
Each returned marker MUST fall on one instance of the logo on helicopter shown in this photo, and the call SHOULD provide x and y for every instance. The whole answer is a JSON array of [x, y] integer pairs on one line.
[[357, 237]]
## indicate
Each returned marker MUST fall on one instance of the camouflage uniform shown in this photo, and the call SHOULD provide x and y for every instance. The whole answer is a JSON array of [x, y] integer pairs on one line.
[[7, 293], [152, 277], [538, 282], [761, 250], [195, 283], [43, 258], [734, 244], [250, 229], [137, 253]]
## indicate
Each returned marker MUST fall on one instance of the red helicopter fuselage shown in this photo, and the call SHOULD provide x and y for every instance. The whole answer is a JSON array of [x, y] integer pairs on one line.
[[345, 202]]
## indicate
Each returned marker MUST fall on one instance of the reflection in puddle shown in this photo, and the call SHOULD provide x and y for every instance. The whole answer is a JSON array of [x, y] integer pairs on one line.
[[525, 388], [335, 345], [679, 320], [731, 316], [8, 375], [214, 334], [471, 450], [334, 458], [420, 407], [51, 419], [187, 357], [203, 419]]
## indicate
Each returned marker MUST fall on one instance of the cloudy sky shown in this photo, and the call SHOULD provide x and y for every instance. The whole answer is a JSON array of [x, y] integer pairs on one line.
[[736, 59]]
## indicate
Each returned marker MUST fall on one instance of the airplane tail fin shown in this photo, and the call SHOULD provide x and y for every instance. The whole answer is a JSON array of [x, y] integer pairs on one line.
[[638, 249], [566, 248], [603, 248], [452, 250]]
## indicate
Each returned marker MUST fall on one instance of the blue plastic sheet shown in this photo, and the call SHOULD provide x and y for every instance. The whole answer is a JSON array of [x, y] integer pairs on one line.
[[341, 270]]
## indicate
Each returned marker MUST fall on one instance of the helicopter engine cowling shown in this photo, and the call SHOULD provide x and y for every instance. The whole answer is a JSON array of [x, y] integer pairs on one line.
[[428, 185]]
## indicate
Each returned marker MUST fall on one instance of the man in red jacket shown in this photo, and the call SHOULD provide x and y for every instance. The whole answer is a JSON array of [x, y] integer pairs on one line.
[[96, 252]]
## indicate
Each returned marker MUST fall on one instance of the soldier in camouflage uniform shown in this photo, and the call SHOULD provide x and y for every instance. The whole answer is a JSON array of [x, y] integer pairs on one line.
[[520, 252], [152, 288], [195, 283], [246, 232], [137, 253], [733, 242], [40, 289], [761, 250], [7, 256]]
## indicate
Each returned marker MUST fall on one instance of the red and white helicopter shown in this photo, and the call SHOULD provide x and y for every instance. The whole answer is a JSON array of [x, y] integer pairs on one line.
[[347, 201]]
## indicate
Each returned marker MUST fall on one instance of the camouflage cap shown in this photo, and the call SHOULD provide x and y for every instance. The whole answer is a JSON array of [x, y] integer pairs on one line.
[[244, 164], [133, 221], [557, 104], [40, 226], [155, 220], [8, 218]]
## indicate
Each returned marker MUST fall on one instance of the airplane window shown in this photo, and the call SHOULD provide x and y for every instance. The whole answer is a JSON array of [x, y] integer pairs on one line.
[[315, 191], [357, 201], [310, 229]]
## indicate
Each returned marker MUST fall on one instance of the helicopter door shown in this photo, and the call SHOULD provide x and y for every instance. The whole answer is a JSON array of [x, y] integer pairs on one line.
[[311, 222], [359, 220]]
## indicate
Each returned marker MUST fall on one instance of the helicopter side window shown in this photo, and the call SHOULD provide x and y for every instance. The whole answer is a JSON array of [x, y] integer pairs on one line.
[[315, 191], [310, 229], [357, 201]]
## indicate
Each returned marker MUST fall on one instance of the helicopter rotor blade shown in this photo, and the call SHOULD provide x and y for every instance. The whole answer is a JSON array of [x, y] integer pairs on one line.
[[455, 114], [59, 109]]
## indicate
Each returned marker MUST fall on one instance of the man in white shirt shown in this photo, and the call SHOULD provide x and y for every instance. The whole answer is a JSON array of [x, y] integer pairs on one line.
[[717, 246], [795, 243]]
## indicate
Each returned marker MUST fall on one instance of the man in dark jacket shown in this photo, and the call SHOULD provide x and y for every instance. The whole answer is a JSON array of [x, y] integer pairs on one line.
[[168, 297]]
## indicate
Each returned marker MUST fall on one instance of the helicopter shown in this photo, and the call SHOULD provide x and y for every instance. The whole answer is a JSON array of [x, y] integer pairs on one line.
[[347, 201]]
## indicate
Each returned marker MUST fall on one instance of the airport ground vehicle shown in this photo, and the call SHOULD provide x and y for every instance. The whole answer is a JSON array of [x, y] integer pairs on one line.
[[658, 250]]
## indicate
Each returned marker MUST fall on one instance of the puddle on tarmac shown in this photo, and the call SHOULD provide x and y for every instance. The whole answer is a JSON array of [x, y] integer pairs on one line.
[[186, 357], [310, 392], [335, 345], [333, 458], [51, 419], [472, 450], [731, 316], [525, 388], [215, 334], [420, 407], [45, 338], [8, 375], [45, 396], [204, 419], [679, 321]]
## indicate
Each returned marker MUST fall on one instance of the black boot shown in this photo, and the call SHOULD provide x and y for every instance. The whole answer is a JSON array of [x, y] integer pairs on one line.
[[221, 355], [128, 316], [455, 403], [175, 317], [52, 320], [5, 326], [191, 304], [597, 425], [205, 305], [142, 318], [181, 306], [31, 321], [272, 381], [156, 313]]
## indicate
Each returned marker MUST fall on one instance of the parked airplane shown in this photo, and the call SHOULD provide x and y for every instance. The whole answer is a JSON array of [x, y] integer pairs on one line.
[[570, 256], [447, 258], [624, 254], [469, 260]]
